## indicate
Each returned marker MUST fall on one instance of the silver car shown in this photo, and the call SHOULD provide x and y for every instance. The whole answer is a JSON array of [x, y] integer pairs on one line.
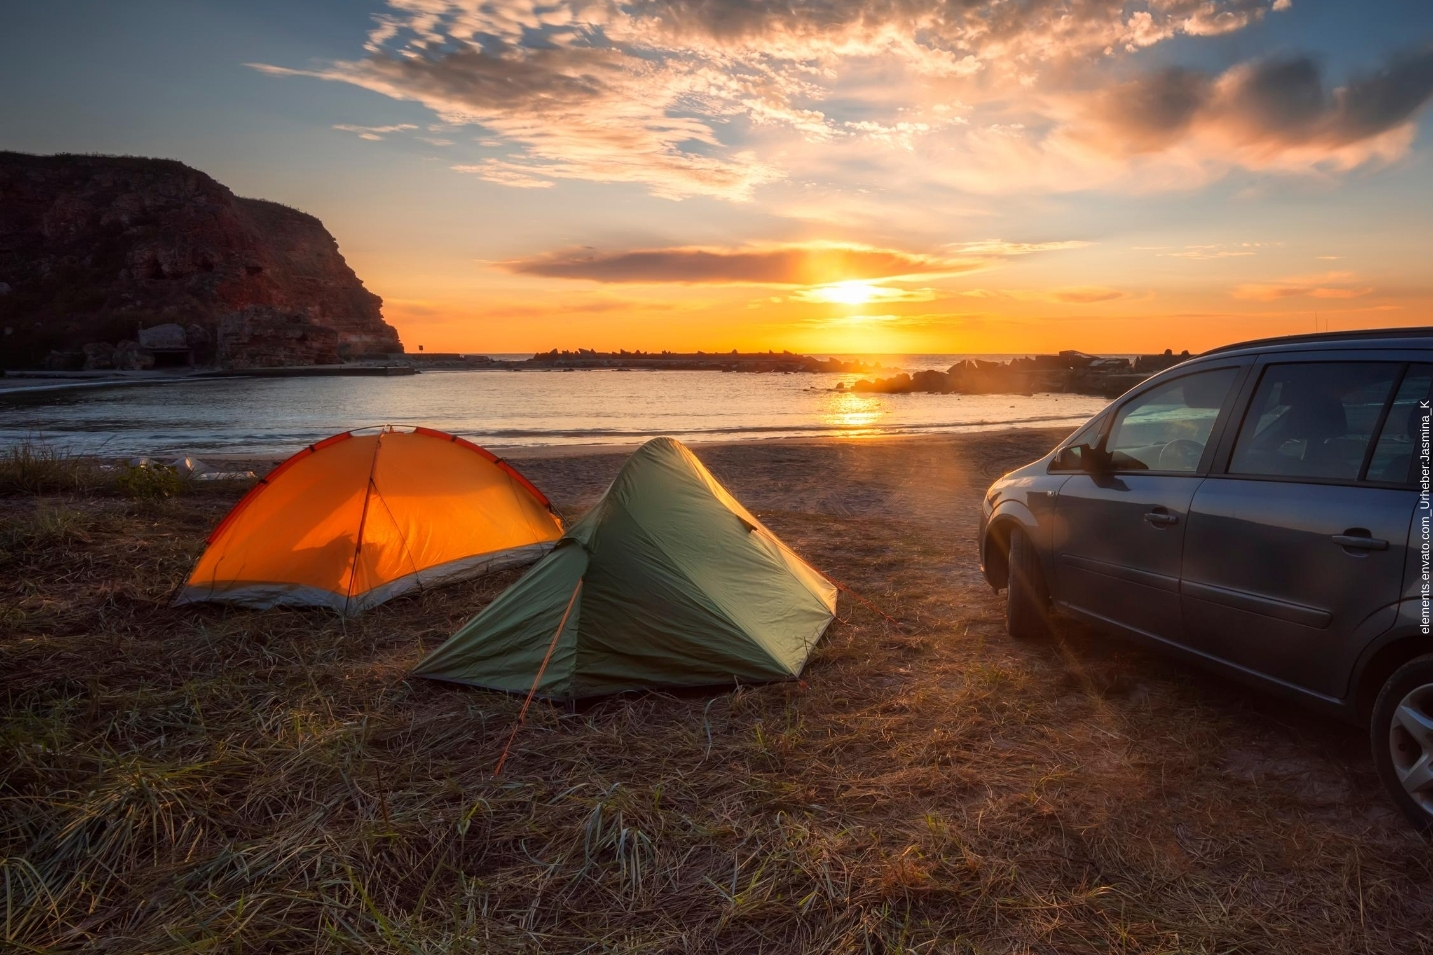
[[1262, 509]]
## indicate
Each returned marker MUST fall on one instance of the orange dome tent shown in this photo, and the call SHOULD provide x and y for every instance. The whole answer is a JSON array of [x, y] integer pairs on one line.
[[357, 519]]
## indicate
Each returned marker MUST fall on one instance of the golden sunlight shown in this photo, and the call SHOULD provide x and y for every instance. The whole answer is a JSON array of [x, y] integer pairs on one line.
[[846, 293], [853, 415]]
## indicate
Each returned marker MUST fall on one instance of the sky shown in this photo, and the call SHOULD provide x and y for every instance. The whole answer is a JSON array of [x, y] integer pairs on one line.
[[828, 176]]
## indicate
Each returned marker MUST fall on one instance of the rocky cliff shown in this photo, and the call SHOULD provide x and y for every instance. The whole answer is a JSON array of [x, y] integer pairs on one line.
[[95, 249]]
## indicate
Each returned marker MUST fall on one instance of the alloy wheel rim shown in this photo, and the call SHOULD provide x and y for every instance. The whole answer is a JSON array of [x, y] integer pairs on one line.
[[1410, 742]]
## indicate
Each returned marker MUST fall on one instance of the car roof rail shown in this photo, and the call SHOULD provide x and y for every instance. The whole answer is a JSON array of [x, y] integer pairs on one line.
[[1315, 338]]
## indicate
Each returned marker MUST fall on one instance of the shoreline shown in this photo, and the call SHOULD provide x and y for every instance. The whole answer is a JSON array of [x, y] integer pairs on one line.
[[529, 453], [540, 452]]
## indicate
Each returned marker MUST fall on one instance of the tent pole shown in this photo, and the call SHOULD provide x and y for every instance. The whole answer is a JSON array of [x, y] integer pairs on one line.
[[522, 714], [362, 519]]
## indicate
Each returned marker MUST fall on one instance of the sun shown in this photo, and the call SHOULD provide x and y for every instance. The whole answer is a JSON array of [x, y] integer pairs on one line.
[[853, 292]]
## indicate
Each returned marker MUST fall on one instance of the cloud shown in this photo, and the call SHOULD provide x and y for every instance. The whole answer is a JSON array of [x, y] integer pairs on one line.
[[1329, 285], [1269, 108], [1087, 295], [716, 97], [1213, 251], [1154, 111], [1075, 295], [815, 264], [505, 174], [424, 312], [375, 133], [999, 247], [1213, 19]]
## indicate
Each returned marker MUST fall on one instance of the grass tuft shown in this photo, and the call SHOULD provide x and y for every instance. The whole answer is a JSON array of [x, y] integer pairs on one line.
[[37, 467]]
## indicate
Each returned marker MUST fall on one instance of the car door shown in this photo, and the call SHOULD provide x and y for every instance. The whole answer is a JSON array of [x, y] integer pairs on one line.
[[1119, 527], [1301, 536]]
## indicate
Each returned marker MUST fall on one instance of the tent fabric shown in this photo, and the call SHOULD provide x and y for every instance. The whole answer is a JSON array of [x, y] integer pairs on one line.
[[681, 587], [357, 519]]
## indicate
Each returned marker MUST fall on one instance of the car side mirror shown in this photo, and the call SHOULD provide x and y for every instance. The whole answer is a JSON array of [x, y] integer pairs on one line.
[[1081, 457]]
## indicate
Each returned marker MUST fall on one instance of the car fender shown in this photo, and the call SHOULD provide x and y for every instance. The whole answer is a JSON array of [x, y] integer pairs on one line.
[[1006, 516], [1394, 634]]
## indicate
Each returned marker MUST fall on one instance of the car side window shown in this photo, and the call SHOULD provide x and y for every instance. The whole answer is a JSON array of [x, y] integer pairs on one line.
[[1313, 419], [1392, 460], [1167, 428], [1087, 436]]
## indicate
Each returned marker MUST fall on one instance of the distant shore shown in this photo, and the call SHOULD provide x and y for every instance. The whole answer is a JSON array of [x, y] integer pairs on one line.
[[1068, 372], [28, 380]]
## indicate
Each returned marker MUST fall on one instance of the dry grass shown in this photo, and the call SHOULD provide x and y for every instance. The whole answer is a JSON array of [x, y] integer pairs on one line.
[[36, 467], [39, 467], [212, 780]]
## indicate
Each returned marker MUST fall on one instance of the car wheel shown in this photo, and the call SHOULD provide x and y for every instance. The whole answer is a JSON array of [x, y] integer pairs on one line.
[[1402, 737], [1027, 603]]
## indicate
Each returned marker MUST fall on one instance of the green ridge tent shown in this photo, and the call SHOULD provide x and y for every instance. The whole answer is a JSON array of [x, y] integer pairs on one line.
[[679, 586]]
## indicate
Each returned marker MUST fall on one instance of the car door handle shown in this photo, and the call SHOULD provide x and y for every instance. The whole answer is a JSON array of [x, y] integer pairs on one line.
[[1159, 517], [1360, 542]]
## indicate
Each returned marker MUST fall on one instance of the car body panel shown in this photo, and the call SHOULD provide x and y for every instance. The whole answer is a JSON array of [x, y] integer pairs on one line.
[[1265, 586], [1110, 561], [1260, 590]]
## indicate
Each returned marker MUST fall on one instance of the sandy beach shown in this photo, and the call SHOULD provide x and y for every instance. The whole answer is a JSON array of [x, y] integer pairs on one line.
[[929, 785]]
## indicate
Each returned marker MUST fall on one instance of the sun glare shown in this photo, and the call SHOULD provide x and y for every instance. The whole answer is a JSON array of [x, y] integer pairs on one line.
[[846, 293]]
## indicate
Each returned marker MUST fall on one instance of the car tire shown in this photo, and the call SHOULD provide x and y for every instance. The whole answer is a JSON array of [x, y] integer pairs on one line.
[[1027, 602], [1401, 733]]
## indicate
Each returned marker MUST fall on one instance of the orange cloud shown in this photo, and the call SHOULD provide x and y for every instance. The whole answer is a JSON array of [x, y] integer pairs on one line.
[[1087, 295], [1075, 295], [792, 264], [1330, 285]]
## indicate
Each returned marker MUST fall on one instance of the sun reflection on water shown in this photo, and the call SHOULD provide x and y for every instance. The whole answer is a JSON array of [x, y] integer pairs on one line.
[[853, 414]]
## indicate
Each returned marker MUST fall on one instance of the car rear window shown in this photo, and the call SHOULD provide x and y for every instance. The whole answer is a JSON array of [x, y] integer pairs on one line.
[[1392, 461], [1314, 420]]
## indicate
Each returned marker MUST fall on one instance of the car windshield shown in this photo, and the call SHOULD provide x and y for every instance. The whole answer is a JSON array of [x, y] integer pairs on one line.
[[1166, 429]]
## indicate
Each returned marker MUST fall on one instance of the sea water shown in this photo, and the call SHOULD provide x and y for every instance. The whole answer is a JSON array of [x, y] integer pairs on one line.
[[265, 416]]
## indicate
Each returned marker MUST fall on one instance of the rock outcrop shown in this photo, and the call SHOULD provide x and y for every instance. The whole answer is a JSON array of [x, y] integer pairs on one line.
[[96, 250], [262, 337], [1069, 372]]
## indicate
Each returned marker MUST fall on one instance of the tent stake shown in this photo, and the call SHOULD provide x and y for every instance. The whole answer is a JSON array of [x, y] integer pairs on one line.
[[522, 714]]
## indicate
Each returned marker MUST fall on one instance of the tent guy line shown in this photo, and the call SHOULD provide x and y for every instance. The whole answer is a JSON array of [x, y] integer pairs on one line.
[[522, 714]]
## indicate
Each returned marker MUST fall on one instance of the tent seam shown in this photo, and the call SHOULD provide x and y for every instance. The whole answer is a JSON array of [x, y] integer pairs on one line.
[[362, 522], [406, 549]]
